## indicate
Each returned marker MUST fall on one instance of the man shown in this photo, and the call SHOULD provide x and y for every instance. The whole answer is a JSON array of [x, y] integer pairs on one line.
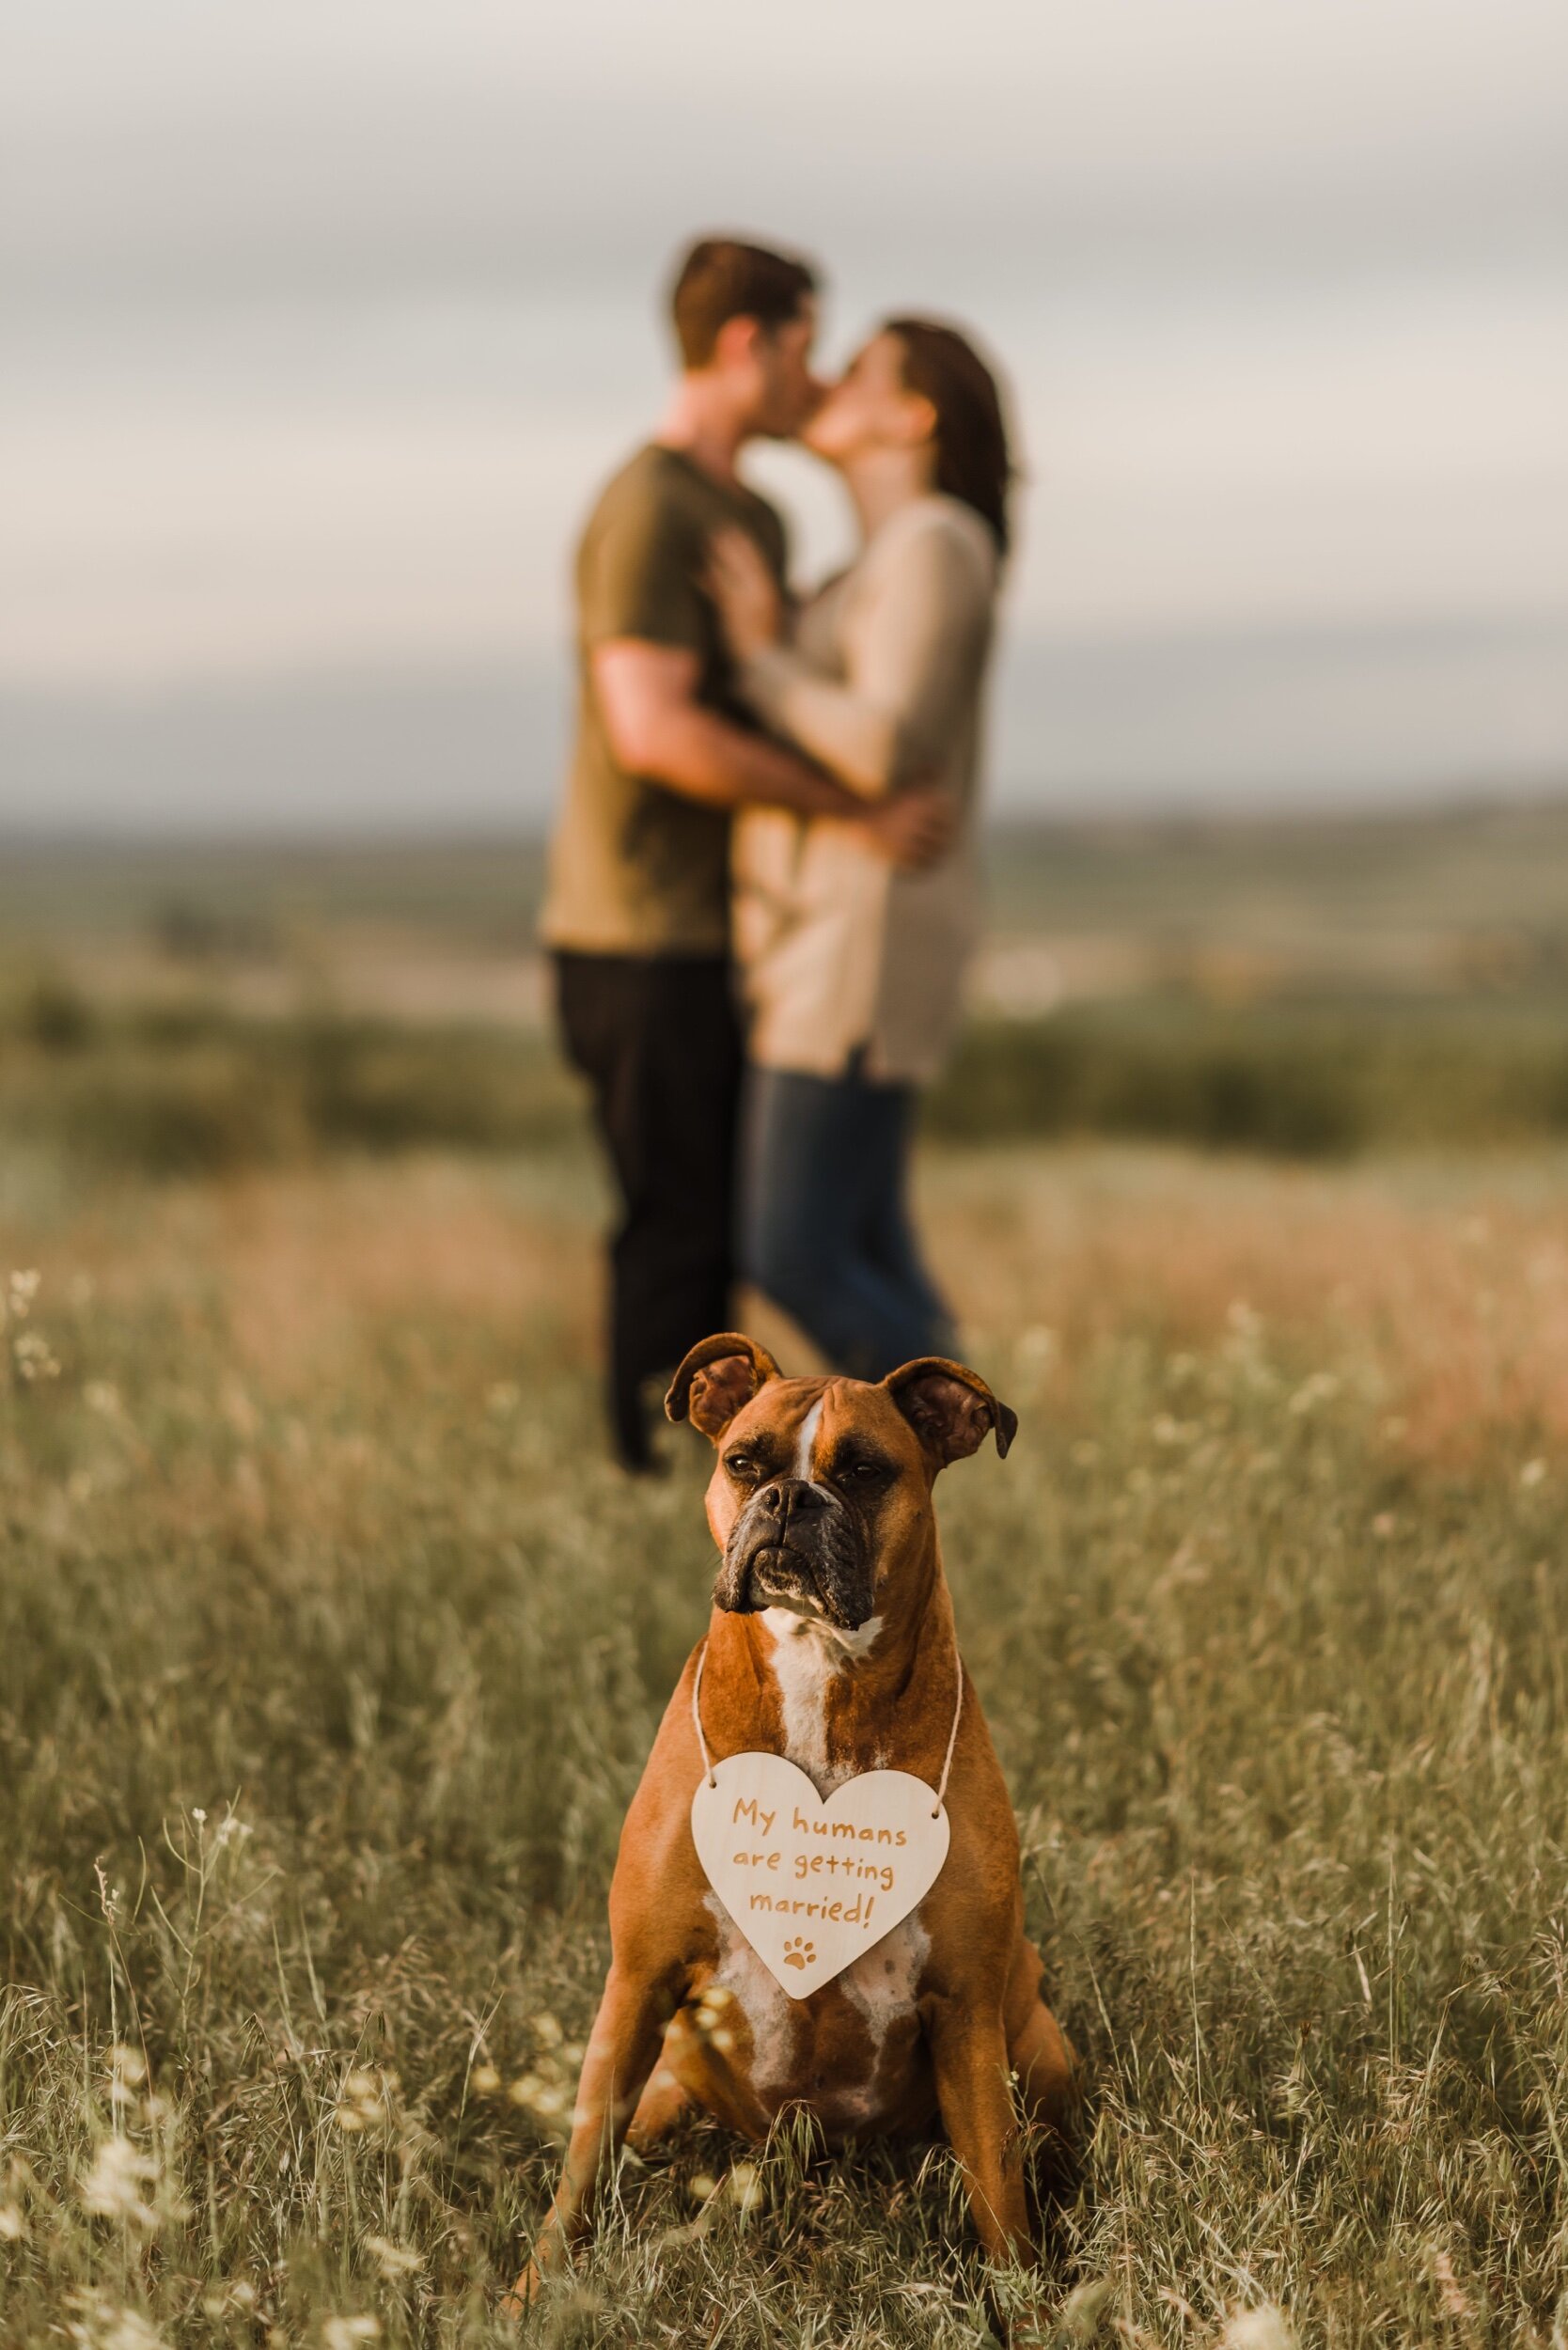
[[637, 911]]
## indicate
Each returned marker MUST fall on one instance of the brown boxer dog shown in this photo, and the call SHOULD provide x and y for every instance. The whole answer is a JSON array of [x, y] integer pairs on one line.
[[831, 1642]]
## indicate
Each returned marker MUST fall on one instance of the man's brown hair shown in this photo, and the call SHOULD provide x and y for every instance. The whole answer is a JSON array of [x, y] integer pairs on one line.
[[722, 278]]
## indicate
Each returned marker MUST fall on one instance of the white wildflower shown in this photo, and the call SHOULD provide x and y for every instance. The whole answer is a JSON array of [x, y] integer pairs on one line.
[[743, 2187], [1264, 2327], [1083, 2309], [112, 2187], [101, 2324], [33, 1359], [342, 2333], [365, 2102], [226, 2298], [394, 2260]]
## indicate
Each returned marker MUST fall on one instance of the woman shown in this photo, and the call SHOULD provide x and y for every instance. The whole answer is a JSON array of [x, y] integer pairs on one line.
[[852, 971]]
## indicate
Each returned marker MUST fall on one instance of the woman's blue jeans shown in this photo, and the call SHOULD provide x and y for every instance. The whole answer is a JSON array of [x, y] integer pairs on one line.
[[825, 1230]]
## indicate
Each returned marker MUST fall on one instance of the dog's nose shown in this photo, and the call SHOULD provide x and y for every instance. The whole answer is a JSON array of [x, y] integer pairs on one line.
[[788, 1497]]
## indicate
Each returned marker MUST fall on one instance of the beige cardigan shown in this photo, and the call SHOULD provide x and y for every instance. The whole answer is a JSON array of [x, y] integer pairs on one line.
[[883, 684]]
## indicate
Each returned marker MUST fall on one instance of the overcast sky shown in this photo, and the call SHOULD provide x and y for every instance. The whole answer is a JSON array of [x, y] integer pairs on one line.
[[320, 319]]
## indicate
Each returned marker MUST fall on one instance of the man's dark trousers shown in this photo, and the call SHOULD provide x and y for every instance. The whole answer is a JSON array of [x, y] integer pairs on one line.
[[658, 1039]]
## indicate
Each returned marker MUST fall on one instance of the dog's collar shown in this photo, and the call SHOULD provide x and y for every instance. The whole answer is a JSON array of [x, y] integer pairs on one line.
[[708, 1760]]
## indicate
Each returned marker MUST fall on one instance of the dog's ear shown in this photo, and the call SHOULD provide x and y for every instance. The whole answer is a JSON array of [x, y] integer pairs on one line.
[[719, 1376], [951, 1409]]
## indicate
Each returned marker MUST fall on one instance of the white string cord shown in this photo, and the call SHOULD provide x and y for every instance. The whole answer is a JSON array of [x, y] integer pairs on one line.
[[697, 1714], [952, 1738], [708, 1760]]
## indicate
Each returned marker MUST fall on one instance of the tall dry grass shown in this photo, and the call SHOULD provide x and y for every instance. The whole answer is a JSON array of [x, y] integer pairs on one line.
[[330, 1653]]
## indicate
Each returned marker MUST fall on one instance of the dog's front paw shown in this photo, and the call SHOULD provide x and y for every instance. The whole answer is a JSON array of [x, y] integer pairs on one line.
[[524, 2292]]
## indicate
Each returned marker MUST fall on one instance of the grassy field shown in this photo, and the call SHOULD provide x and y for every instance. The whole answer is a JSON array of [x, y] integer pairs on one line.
[[330, 1650], [1296, 989], [329, 1655]]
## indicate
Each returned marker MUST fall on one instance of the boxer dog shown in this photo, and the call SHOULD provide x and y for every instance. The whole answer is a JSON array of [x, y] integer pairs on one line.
[[831, 1642]]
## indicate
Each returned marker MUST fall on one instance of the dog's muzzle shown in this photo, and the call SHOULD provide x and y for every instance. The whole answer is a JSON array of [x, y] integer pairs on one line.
[[796, 1544]]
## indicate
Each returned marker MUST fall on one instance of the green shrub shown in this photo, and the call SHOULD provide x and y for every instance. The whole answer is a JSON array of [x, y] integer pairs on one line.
[[55, 1015], [186, 1088], [1300, 1081], [182, 1090]]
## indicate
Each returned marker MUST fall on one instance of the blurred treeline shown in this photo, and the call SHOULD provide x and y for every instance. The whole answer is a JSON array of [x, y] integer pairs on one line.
[[1292, 989], [198, 1089]]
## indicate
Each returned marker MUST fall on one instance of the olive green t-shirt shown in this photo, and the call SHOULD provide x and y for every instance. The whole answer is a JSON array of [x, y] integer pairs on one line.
[[638, 869]]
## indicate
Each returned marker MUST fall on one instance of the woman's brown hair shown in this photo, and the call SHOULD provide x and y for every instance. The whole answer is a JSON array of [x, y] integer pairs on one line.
[[972, 459]]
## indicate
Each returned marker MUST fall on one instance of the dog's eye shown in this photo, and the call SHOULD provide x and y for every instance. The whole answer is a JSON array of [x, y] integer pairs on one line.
[[741, 1467], [860, 1473]]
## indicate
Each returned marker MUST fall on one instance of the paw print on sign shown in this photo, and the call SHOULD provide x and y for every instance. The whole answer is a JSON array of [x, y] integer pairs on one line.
[[800, 1952]]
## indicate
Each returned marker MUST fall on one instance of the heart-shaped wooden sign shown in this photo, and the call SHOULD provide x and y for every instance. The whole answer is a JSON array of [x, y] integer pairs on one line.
[[813, 1883]]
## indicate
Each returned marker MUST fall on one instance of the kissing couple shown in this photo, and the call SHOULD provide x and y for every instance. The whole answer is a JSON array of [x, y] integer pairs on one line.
[[762, 887]]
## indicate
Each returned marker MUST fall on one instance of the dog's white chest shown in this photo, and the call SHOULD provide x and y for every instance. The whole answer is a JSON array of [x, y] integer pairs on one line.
[[806, 1656]]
